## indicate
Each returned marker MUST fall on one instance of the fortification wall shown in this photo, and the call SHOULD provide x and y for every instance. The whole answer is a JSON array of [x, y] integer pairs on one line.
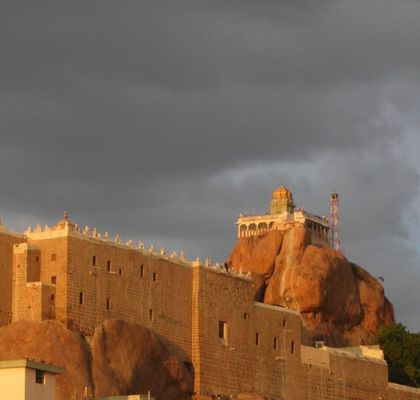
[[38, 302], [401, 392], [243, 346], [224, 314], [330, 374], [107, 280], [88, 279], [7, 240], [206, 315], [277, 356], [25, 268], [53, 257]]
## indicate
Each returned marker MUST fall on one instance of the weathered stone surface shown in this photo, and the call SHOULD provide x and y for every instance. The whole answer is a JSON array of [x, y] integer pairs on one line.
[[128, 358], [51, 342], [257, 255], [124, 358], [340, 302], [249, 396]]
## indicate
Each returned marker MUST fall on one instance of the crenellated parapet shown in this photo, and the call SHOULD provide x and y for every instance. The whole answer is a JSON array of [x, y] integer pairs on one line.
[[65, 227]]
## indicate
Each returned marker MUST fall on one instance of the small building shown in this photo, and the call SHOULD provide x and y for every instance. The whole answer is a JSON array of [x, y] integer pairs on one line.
[[27, 380], [283, 215]]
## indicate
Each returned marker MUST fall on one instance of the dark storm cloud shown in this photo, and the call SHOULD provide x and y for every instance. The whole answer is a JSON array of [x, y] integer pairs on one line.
[[164, 120]]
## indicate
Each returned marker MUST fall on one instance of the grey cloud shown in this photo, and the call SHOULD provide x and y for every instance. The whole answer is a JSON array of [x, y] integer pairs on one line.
[[209, 45], [164, 120]]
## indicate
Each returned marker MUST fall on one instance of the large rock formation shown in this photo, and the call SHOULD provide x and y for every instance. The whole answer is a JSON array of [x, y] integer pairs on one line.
[[51, 342], [120, 358], [340, 302], [128, 358]]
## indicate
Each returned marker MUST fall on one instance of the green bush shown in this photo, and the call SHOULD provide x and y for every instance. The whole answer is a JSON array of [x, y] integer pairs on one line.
[[402, 353]]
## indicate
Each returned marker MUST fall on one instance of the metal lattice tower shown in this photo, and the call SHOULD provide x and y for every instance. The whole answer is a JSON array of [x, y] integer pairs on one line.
[[335, 221]]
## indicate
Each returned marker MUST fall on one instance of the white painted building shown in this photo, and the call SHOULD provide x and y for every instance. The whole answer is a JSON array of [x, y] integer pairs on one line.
[[283, 215], [27, 380]]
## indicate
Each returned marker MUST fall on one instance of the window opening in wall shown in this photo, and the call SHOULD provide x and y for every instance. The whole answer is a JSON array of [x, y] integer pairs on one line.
[[81, 298], [142, 270], [150, 315], [52, 297], [276, 343], [246, 316], [108, 265], [223, 331], [257, 339], [54, 280], [292, 347], [40, 377], [54, 257], [154, 276], [37, 259], [94, 261], [108, 304], [120, 271], [284, 323], [190, 368]]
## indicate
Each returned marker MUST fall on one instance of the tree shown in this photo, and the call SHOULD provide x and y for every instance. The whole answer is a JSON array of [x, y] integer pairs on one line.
[[402, 353]]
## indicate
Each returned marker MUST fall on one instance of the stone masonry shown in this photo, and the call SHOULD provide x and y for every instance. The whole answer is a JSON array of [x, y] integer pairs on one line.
[[206, 315]]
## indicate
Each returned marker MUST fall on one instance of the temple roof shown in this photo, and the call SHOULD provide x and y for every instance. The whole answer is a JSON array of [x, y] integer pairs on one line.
[[282, 192]]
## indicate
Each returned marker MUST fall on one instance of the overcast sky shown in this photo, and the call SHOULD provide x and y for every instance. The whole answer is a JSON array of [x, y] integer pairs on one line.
[[162, 121]]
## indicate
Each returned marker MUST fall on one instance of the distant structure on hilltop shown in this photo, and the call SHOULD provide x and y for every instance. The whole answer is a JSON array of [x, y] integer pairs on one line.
[[283, 215]]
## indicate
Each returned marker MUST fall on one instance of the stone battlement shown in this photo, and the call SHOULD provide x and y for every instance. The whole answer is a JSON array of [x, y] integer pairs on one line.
[[65, 228]]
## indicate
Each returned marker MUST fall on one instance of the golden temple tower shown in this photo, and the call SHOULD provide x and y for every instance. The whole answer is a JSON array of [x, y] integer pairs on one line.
[[282, 201]]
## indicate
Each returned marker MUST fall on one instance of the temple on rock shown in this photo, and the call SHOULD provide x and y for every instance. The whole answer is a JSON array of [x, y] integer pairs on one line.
[[283, 215]]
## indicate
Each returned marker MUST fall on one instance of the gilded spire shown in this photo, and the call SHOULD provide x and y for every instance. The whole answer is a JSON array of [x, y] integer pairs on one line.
[[282, 201]]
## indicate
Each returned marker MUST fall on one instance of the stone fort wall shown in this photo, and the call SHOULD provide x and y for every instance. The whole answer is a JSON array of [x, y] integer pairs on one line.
[[205, 314], [95, 280], [401, 392], [7, 240]]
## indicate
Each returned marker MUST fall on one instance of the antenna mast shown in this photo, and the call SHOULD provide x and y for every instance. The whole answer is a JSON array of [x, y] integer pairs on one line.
[[335, 221]]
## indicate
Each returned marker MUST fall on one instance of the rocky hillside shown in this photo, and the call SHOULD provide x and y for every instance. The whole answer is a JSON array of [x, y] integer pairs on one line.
[[120, 358], [340, 302]]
